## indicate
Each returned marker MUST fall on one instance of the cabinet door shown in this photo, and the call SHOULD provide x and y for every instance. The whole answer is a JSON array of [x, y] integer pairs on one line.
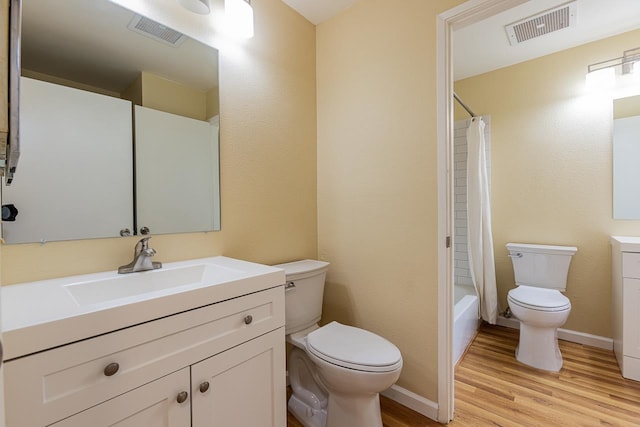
[[155, 405], [176, 172], [75, 175], [246, 385], [631, 314]]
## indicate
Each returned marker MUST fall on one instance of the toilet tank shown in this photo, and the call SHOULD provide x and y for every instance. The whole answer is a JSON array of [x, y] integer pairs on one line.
[[541, 266], [304, 290]]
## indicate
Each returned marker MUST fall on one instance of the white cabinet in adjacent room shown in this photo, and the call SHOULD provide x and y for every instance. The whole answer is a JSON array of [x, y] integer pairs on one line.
[[625, 299]]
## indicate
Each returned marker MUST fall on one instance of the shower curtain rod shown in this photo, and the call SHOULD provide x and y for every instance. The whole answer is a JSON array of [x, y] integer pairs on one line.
[[457, 98]]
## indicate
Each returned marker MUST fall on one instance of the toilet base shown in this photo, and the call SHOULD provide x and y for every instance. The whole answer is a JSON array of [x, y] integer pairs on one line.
[[352, 411], [538, 348], [308, 401], [308, 416]]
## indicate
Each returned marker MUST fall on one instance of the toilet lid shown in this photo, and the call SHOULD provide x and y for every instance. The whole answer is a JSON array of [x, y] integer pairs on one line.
[[540, 299], [354, 348]]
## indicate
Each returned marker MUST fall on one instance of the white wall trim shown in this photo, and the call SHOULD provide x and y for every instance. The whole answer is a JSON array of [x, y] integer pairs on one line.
[[444, 408], [413, 401], [457, 17], [566, 335]]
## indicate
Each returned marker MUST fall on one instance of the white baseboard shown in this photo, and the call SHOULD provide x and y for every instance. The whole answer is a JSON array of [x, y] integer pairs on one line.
[[413, 401], [566, 335]]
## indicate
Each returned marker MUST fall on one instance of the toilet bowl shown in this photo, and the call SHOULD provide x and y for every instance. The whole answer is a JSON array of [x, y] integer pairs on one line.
[[541, 273], [336, 371], [541, 312]]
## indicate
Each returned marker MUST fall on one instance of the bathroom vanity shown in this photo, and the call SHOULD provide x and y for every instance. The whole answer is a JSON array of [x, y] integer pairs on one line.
[[196, 341], [625, 297]]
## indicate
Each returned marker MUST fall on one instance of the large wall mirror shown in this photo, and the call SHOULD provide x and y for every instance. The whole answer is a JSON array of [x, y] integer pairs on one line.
[[118, 127], [626, 158]]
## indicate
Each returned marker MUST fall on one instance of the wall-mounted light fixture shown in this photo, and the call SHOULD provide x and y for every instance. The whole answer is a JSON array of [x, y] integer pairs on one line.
[[239, 17], [602, 75], [200, 7]]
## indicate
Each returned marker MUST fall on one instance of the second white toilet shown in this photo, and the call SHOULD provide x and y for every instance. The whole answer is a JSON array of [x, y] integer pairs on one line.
[[541, 275], [336, 371]]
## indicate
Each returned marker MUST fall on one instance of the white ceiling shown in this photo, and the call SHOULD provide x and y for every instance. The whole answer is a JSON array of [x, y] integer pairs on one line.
[[317, 11], [484, 46], [88, 42], [478, 48]]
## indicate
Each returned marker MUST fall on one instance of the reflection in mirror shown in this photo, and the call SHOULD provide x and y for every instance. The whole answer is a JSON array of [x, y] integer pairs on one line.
[[83, 171], [626, 158]]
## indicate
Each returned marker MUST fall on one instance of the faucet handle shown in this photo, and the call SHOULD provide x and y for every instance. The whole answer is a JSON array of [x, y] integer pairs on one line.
[[144, 241], [142, 245]]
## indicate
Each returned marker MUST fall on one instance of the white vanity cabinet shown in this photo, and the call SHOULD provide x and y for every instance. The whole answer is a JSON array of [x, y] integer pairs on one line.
[[234, 388], [153, 404], [626, 304], [152, 373]]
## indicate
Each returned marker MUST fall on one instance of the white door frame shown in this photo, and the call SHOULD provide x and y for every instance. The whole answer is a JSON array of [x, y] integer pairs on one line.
[[465, 14]]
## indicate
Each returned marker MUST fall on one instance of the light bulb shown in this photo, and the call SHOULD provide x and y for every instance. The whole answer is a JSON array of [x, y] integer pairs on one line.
[[599, 80], [200, 7], [239, 18]]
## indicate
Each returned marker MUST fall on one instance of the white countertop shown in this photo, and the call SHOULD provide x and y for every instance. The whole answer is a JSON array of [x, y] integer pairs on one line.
[[43, 314], [626, 243]]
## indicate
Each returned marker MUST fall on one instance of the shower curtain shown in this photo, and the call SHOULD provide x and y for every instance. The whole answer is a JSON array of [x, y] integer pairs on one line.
[[480, 238]]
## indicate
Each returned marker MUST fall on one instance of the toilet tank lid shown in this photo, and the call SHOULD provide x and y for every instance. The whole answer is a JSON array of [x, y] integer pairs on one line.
[[542, 249], [304, 266]]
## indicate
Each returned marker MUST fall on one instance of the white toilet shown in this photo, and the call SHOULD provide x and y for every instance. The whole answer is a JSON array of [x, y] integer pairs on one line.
[[335, 371], [541, 274]]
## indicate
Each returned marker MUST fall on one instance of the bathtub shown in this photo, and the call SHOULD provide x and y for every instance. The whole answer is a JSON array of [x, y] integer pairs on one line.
[[465, 319]]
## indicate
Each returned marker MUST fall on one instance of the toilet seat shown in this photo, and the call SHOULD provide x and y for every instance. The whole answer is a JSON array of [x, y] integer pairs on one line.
[[353, 348], [539, 299]]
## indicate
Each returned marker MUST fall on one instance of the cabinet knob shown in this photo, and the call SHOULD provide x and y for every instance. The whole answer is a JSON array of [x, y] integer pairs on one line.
[[111, 369], [182, 397], [204, 387], [248, 319]]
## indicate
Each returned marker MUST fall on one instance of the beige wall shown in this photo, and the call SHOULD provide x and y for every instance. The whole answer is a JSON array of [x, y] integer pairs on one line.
[[152, 91], [377, 189], [268, 168], [134, 92], [551, 169], [626, 107], [165, 95], [65, 82], [213, 102]]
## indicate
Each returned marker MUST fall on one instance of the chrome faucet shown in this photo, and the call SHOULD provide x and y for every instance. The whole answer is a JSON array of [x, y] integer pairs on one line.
[[141, 259]]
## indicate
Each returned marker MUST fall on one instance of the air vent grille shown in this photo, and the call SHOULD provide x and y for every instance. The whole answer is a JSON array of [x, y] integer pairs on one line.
[[156, 31], [563, 16]]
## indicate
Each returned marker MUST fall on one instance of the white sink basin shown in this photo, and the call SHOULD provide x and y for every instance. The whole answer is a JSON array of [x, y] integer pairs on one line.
[[49, 313], [99, 291]]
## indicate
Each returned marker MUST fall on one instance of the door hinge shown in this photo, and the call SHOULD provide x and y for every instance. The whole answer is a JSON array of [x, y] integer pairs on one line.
[[448, 242]]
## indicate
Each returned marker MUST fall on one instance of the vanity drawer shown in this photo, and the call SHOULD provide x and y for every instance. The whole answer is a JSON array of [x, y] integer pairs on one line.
[[60, 382], [631, 265]]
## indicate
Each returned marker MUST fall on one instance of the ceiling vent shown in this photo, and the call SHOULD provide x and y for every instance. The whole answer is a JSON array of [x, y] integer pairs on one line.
[[156, 31], [558, 18]]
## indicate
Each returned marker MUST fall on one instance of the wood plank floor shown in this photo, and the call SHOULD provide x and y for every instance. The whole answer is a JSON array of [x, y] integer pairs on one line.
[[493, 389]]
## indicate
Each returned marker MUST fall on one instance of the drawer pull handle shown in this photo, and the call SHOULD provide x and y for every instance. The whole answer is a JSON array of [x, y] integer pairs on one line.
[[248, 319], [111, 369], [182, 396], [204, 387]]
